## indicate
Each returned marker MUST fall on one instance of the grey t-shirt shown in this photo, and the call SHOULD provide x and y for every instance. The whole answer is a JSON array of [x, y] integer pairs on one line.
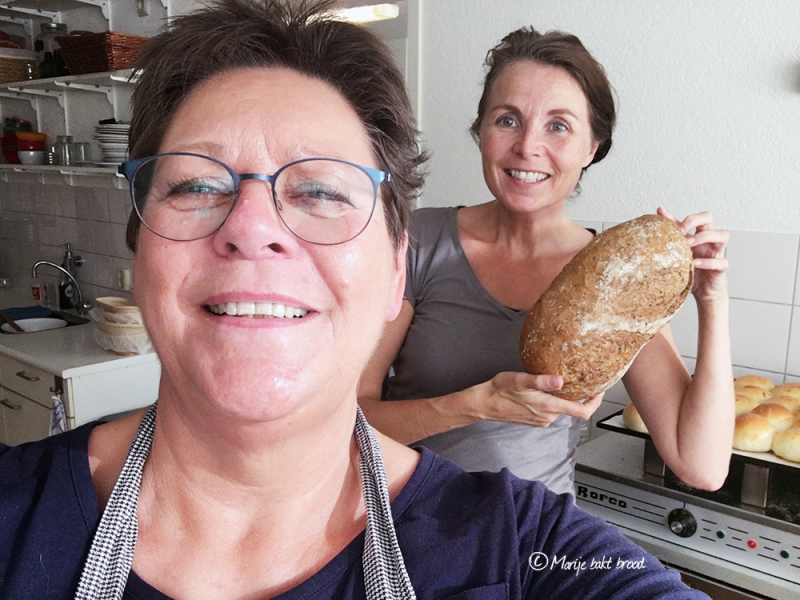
[[461, 336]]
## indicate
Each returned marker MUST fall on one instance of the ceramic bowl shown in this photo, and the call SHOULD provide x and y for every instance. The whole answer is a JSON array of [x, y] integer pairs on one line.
[[31, 157]]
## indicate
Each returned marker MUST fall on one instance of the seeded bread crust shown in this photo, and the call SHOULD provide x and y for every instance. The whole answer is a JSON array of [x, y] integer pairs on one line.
[[606, 304]]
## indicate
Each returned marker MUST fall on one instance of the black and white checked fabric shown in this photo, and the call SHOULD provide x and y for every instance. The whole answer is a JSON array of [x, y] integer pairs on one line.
[[105, 572]]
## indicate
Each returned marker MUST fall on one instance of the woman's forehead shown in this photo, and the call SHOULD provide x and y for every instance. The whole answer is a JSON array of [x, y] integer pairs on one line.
[[275, 107]]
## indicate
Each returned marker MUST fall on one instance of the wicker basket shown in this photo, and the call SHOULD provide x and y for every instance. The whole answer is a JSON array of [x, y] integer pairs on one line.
[[97, 52], [14, 64]]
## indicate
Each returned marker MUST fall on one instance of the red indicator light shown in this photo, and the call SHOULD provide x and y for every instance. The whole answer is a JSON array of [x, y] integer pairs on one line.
[[752, 544]]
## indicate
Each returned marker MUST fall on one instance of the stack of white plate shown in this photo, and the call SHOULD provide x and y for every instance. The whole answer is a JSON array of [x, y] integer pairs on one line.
[[113, 141]]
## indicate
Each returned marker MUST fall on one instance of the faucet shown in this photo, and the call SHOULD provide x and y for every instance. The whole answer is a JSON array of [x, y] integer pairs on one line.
[[83, 307]]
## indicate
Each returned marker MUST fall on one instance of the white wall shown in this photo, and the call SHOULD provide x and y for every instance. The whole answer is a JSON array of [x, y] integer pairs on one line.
[[708, 103]]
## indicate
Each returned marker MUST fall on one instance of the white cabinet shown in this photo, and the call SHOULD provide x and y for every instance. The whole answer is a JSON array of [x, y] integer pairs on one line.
[[26, 396]]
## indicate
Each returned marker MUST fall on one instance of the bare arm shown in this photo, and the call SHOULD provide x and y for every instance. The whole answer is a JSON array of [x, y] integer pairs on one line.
[[691, 418], [511, 397]]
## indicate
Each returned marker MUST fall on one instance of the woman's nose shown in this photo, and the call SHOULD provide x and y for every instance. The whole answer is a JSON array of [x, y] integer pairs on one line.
[[254, 229], [530, 142]]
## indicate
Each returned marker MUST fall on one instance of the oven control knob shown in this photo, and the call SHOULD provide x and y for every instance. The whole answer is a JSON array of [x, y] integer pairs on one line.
[[682, 523]]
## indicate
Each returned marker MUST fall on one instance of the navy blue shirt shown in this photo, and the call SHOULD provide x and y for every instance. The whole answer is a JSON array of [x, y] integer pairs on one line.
[[463, 536]]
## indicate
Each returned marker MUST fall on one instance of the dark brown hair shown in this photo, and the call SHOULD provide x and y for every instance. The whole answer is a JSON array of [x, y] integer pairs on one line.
[[232, 34], [563, 50]]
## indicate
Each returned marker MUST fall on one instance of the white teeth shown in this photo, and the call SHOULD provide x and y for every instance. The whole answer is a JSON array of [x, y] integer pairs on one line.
[[257, 309], [528, 176]]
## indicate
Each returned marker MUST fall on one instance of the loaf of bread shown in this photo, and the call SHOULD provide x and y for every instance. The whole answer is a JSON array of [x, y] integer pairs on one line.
[[756, 393], [607, 303], [790, 402]]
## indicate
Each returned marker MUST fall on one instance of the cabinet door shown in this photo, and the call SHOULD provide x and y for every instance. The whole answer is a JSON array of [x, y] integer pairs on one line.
[[25, 420]]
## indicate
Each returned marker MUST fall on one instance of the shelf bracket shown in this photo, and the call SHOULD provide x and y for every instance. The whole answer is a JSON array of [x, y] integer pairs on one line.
[[102, 89], [19, 96], [26, 23], [47, 93]]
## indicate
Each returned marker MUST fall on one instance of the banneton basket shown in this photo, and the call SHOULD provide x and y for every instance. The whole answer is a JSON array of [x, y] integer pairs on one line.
[[87, 52]]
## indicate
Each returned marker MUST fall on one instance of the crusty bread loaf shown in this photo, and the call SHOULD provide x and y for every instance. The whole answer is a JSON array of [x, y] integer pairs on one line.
[[607, 303]]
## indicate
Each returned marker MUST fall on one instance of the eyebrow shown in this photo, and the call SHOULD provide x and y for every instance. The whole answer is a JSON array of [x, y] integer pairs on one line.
[[551, 113]]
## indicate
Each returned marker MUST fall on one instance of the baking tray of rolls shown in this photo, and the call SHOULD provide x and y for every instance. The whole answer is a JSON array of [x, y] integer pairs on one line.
[[614, 423]]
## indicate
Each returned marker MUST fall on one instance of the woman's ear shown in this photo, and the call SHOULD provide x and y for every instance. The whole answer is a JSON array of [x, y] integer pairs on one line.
[[592, 151], [398, 280]]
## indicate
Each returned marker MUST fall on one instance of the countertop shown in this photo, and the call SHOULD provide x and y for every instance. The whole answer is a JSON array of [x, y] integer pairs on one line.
[[67, 352]]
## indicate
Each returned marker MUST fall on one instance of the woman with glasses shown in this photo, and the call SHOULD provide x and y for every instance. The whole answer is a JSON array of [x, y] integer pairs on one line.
[[458, 387], [274, 160]]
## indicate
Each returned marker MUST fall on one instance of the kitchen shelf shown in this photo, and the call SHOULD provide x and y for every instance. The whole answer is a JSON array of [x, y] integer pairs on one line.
[[99, 82], [61, 174], [51, 8]]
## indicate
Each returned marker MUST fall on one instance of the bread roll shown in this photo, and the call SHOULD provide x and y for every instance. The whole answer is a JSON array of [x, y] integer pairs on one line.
[[753, 433], [790, 402], [754, 380], [744, 404], [779, 416], [786, 444], [756, 393], [787, 389], [632, 420], [607, 303]]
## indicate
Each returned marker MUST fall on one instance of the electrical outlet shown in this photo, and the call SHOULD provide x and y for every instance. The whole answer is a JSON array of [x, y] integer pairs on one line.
[[143, 6], [124, 279]]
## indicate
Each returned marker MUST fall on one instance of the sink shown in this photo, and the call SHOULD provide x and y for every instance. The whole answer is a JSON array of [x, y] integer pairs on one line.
[[39, 318]]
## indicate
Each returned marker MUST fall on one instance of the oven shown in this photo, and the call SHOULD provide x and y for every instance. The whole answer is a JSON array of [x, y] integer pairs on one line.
[[738, 543]]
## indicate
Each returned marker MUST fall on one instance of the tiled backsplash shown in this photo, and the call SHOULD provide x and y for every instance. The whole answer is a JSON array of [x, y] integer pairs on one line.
[[764, 288], [37, 220]]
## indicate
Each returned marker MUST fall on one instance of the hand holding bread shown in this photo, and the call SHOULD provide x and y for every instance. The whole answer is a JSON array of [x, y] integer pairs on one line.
[[526, 399], [708, 249]]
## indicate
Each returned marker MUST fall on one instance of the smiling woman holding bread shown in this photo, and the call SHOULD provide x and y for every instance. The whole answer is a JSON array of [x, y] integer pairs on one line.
[[547, 113]]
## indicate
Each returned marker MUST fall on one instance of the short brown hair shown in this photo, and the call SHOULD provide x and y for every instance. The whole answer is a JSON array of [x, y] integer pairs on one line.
[[563, 50], [232, 34]]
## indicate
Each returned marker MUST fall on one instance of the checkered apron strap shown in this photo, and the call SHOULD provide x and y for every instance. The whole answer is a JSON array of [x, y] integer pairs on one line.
[[385, 575], [105, 572]]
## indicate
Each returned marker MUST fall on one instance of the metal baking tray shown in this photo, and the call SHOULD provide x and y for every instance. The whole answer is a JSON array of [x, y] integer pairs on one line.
[[614, 422]]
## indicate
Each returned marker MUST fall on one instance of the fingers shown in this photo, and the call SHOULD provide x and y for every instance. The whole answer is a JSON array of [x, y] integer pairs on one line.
[[711, 264]]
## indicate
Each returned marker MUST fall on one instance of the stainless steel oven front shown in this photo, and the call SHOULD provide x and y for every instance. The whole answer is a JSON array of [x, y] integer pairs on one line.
[[726, 549]]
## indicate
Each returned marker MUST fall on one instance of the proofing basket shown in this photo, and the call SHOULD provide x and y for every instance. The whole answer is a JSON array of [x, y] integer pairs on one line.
[[99, 52]]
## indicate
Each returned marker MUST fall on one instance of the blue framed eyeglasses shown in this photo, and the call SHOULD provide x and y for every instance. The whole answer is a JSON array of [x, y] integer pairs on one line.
[[183, 196]]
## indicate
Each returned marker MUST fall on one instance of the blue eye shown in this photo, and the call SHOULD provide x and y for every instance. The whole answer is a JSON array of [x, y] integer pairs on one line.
[[558, 127], [506, 121], [199, 194]]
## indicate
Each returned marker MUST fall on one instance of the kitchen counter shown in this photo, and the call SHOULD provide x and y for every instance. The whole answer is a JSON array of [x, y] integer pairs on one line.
[[67, 352]]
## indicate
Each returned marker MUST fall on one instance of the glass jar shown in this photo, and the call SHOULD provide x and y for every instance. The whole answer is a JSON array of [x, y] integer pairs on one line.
[[62, 150], [50, 62]]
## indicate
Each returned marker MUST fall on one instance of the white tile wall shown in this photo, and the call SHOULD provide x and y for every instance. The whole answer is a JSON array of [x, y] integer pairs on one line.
[[37, 220]]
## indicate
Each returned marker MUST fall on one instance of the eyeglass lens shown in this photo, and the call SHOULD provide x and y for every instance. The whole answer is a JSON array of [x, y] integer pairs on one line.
[[187, 197]]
